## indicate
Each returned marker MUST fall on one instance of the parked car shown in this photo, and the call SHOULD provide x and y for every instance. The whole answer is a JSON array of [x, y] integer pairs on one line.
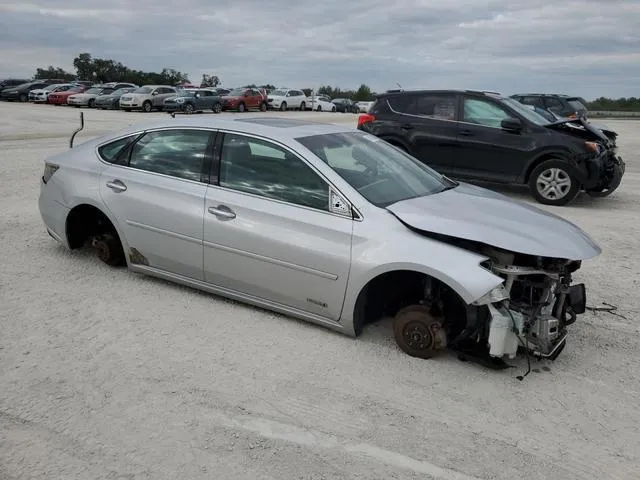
[[12, 82], [243, 99], [477, 272], [288, 99], [88, 97], [483, 136], [564, 105], [147, 97], [345, 105], [321, 103], [194, 100], [60, 98], [21, 92], [41, 95], [111, 101], [86, 83], [363, 107]]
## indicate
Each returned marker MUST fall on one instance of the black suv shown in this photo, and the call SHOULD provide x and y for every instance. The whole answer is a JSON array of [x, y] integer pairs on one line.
[[485, 136], [563, 105]]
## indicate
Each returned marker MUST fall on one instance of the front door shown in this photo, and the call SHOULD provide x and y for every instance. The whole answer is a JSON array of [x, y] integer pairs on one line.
[[269, 232], [157, 194], [485, 150]]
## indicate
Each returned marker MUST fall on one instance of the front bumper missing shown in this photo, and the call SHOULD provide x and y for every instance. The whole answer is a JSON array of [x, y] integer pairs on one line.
[[618, 168]]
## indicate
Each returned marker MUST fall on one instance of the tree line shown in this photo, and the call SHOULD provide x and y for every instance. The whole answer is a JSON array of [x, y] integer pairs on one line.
[[106, 70]]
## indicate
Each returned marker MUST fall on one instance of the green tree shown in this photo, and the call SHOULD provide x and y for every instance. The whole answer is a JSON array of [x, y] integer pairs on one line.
[[363, 94], [209, 81], [53, 72]]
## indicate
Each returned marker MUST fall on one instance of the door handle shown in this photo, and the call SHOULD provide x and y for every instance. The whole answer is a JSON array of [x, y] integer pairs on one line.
[[407, 126], [465, 133], [117, 186], [222, 211]]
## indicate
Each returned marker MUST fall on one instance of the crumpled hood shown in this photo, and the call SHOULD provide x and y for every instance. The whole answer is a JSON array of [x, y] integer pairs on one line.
[[475, 213]]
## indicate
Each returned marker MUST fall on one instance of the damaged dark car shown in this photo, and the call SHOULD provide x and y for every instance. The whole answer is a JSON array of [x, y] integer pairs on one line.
[[474, 135]]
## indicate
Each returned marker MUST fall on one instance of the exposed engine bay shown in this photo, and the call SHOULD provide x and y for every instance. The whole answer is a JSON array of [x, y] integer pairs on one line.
[[534, 306]]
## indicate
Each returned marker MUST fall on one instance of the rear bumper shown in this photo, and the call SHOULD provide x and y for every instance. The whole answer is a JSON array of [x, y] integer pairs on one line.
[[53, 214]]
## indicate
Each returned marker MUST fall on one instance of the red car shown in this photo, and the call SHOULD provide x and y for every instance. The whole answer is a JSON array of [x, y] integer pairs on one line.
[[243, 99], [60, 98]]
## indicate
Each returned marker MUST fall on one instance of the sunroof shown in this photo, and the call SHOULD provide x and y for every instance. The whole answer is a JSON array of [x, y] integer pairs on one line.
[[278, 121]]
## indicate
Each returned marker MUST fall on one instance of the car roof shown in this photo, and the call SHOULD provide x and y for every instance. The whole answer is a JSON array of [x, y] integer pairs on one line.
[[449, 90], [276, 128]]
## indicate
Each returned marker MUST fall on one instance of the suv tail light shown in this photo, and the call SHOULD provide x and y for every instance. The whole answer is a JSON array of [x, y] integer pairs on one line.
[[366, 118]]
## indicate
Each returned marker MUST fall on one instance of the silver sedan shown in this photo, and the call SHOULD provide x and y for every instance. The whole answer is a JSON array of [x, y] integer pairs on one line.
[[325, 223]]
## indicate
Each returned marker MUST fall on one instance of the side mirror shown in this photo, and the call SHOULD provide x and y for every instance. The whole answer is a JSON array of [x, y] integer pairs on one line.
[[154, 93], [511, 124]]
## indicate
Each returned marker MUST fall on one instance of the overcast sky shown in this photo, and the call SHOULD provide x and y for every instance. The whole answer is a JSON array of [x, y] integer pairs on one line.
[[584, 47]]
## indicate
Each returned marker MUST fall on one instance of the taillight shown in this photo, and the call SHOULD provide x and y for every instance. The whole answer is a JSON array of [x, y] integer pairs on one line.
[[366, 118], [49, 170]]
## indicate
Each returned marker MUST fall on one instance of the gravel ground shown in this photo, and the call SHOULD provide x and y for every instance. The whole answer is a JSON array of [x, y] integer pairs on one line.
[[105, 374]]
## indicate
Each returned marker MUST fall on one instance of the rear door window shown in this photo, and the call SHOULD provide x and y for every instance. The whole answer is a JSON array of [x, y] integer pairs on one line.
[[178, 153], [434, 106]]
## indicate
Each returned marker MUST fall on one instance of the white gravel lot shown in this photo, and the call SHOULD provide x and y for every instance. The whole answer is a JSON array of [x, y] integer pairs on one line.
[[105, 374]]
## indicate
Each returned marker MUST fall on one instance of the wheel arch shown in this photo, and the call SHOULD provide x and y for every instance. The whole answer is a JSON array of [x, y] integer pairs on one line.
[[354, 313], [87, 207], [543, 157]]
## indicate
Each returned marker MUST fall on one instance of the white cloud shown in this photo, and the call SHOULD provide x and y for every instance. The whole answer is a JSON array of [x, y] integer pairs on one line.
[[582, 47]]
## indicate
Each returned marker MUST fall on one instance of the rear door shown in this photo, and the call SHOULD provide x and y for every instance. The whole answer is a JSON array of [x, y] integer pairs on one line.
[[155, 190], [428, 122], [486, 151], [269, 232]]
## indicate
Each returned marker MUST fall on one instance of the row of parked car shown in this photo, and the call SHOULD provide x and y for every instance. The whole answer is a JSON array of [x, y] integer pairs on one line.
[[127, 96]]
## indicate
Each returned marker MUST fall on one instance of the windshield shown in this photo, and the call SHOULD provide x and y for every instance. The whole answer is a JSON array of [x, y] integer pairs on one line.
[[121, 91], [186, 93], [278, 93], [143, 90], [530, 115], [380, 172], [236, 92], [94, 90], [51, 87]]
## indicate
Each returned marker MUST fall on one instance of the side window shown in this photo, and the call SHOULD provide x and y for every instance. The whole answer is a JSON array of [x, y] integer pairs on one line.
[[263, 168], [178, 153], [438, 107], [110, 151], [553, 104], [484, 112]]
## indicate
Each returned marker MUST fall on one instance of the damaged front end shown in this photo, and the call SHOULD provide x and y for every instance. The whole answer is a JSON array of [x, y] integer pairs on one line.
[[533, 307], [603, 167]]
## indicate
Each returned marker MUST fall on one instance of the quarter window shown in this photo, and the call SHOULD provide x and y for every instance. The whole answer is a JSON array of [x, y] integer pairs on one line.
[[178, 153], [111, 151], [262, 168], [439, 107], [484, 113]]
